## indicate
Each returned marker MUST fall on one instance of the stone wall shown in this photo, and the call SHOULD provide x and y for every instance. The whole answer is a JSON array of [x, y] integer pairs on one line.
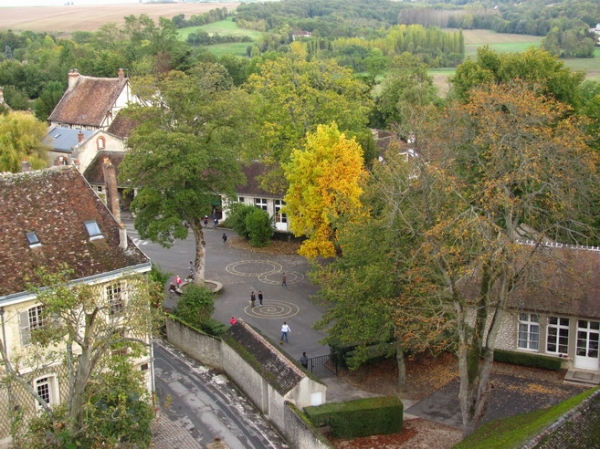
[[279, 407]]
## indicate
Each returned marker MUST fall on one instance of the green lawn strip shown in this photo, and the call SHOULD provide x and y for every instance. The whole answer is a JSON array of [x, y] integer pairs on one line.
[[223, 28], [236, 48], [513, 432]]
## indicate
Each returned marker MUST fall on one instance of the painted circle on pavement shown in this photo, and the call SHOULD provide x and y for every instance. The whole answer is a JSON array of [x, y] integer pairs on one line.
[[253, 267], [272, 308]]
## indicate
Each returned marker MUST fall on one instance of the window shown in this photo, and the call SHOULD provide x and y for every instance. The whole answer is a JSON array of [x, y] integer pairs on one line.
[[101, 143], [241, 199], [93, 229], [33, 239], [279, 217], [114, 295], [557, 341], [261, 203], [45, 387], [529, 331], [30, 320]]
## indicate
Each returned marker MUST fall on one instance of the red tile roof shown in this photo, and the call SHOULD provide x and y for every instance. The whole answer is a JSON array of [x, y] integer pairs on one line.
[[88, 101], [94, 173], [54, 203], [122, 126]]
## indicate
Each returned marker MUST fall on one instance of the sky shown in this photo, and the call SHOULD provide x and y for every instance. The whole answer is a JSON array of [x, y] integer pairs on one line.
[[63, 2]]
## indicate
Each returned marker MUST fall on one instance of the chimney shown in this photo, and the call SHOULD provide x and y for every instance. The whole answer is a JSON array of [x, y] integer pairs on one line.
[[25, 166], [112, 194], [121, 75], [73, 78], [122, 236], [80, 136]]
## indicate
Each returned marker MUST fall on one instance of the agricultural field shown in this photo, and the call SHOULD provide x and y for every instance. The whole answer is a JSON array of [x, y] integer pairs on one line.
[[223, 28], [63, 20]]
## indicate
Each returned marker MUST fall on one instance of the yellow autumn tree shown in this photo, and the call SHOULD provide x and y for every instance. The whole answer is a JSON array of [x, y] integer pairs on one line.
[[324, 187], [21, 137]]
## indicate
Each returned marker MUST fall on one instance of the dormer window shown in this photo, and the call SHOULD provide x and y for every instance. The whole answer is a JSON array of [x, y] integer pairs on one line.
[[93, 229], [33, 239]]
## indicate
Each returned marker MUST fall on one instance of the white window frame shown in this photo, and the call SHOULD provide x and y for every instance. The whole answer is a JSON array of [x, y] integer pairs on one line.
[[261, 203], [30, 319], [46, 387], [279, 216], [557, 335], [528, 330], [115, 293]]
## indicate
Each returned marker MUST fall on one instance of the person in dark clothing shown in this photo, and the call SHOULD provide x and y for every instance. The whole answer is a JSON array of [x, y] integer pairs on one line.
[[260, 297], [252, 298], [224, 239], [304, 360]]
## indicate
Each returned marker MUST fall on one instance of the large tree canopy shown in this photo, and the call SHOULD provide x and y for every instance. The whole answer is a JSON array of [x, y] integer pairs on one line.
[[21, 139], [294, 96], [184, 154], [534, 66], [325, 186]]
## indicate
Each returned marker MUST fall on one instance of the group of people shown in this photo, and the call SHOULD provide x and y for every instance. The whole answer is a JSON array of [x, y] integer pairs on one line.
[[253, 298]]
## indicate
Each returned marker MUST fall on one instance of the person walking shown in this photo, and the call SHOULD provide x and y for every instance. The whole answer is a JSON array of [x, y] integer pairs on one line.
[[284, 280], [252, 298], [260, 297], [304, 360], [206, 221], [285, 330], [224, 239]]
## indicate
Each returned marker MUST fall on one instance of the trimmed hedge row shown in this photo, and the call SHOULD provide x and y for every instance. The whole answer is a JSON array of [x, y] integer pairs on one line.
[[359, 418], [525, 359]]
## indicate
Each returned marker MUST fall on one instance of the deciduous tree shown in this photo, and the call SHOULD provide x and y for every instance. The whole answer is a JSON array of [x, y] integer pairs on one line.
[[86, 334], [510, 164], [184, 155], [294, 96], [21, 137], [324, 188]]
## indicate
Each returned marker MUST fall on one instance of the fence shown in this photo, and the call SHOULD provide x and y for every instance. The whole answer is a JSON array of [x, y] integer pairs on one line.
[[322, 366]]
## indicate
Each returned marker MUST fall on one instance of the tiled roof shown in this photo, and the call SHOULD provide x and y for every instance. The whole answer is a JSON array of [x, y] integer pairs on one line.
[[252, 186], [560, 280], [281, 373], [88, 102], [54, 203], [64, 139], [94, 172], [122, 126]]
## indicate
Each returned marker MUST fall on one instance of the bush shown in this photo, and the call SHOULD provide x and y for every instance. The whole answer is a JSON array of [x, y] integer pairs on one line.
[[525, 359], [252, 223], [237, 218], [359, 418], [260, 227], [195, 306], [213, 327]]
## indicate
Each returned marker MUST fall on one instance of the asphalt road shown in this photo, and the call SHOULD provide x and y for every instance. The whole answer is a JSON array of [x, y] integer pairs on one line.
[[207, 404]]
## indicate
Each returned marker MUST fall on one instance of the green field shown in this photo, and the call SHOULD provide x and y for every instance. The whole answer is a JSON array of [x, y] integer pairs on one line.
[[223, 28]]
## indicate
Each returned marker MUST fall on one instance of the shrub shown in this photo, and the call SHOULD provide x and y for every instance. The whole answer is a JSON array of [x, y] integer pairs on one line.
[[237, 218], [260, 227], [195, 306], [359, 418], [524, 359]]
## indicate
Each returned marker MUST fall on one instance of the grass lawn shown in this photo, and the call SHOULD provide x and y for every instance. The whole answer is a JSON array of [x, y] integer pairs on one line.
[[236, 48], [223, 28]]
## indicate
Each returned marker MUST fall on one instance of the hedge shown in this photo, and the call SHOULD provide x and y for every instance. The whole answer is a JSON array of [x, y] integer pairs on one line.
[[526, 359], [359, 418]]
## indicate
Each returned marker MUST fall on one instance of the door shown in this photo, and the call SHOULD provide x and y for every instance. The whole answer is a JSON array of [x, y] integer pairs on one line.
[[586, 354]]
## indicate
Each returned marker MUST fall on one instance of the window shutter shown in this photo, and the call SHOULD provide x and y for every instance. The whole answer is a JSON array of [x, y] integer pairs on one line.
[[24, 327]]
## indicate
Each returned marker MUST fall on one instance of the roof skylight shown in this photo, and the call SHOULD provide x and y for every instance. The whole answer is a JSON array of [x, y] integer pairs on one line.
[[93, 229], [33, 239]]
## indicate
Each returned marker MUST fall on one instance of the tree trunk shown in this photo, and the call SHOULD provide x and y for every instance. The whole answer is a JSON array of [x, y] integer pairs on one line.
[[401, 366], [84, 368], [200, 262]]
